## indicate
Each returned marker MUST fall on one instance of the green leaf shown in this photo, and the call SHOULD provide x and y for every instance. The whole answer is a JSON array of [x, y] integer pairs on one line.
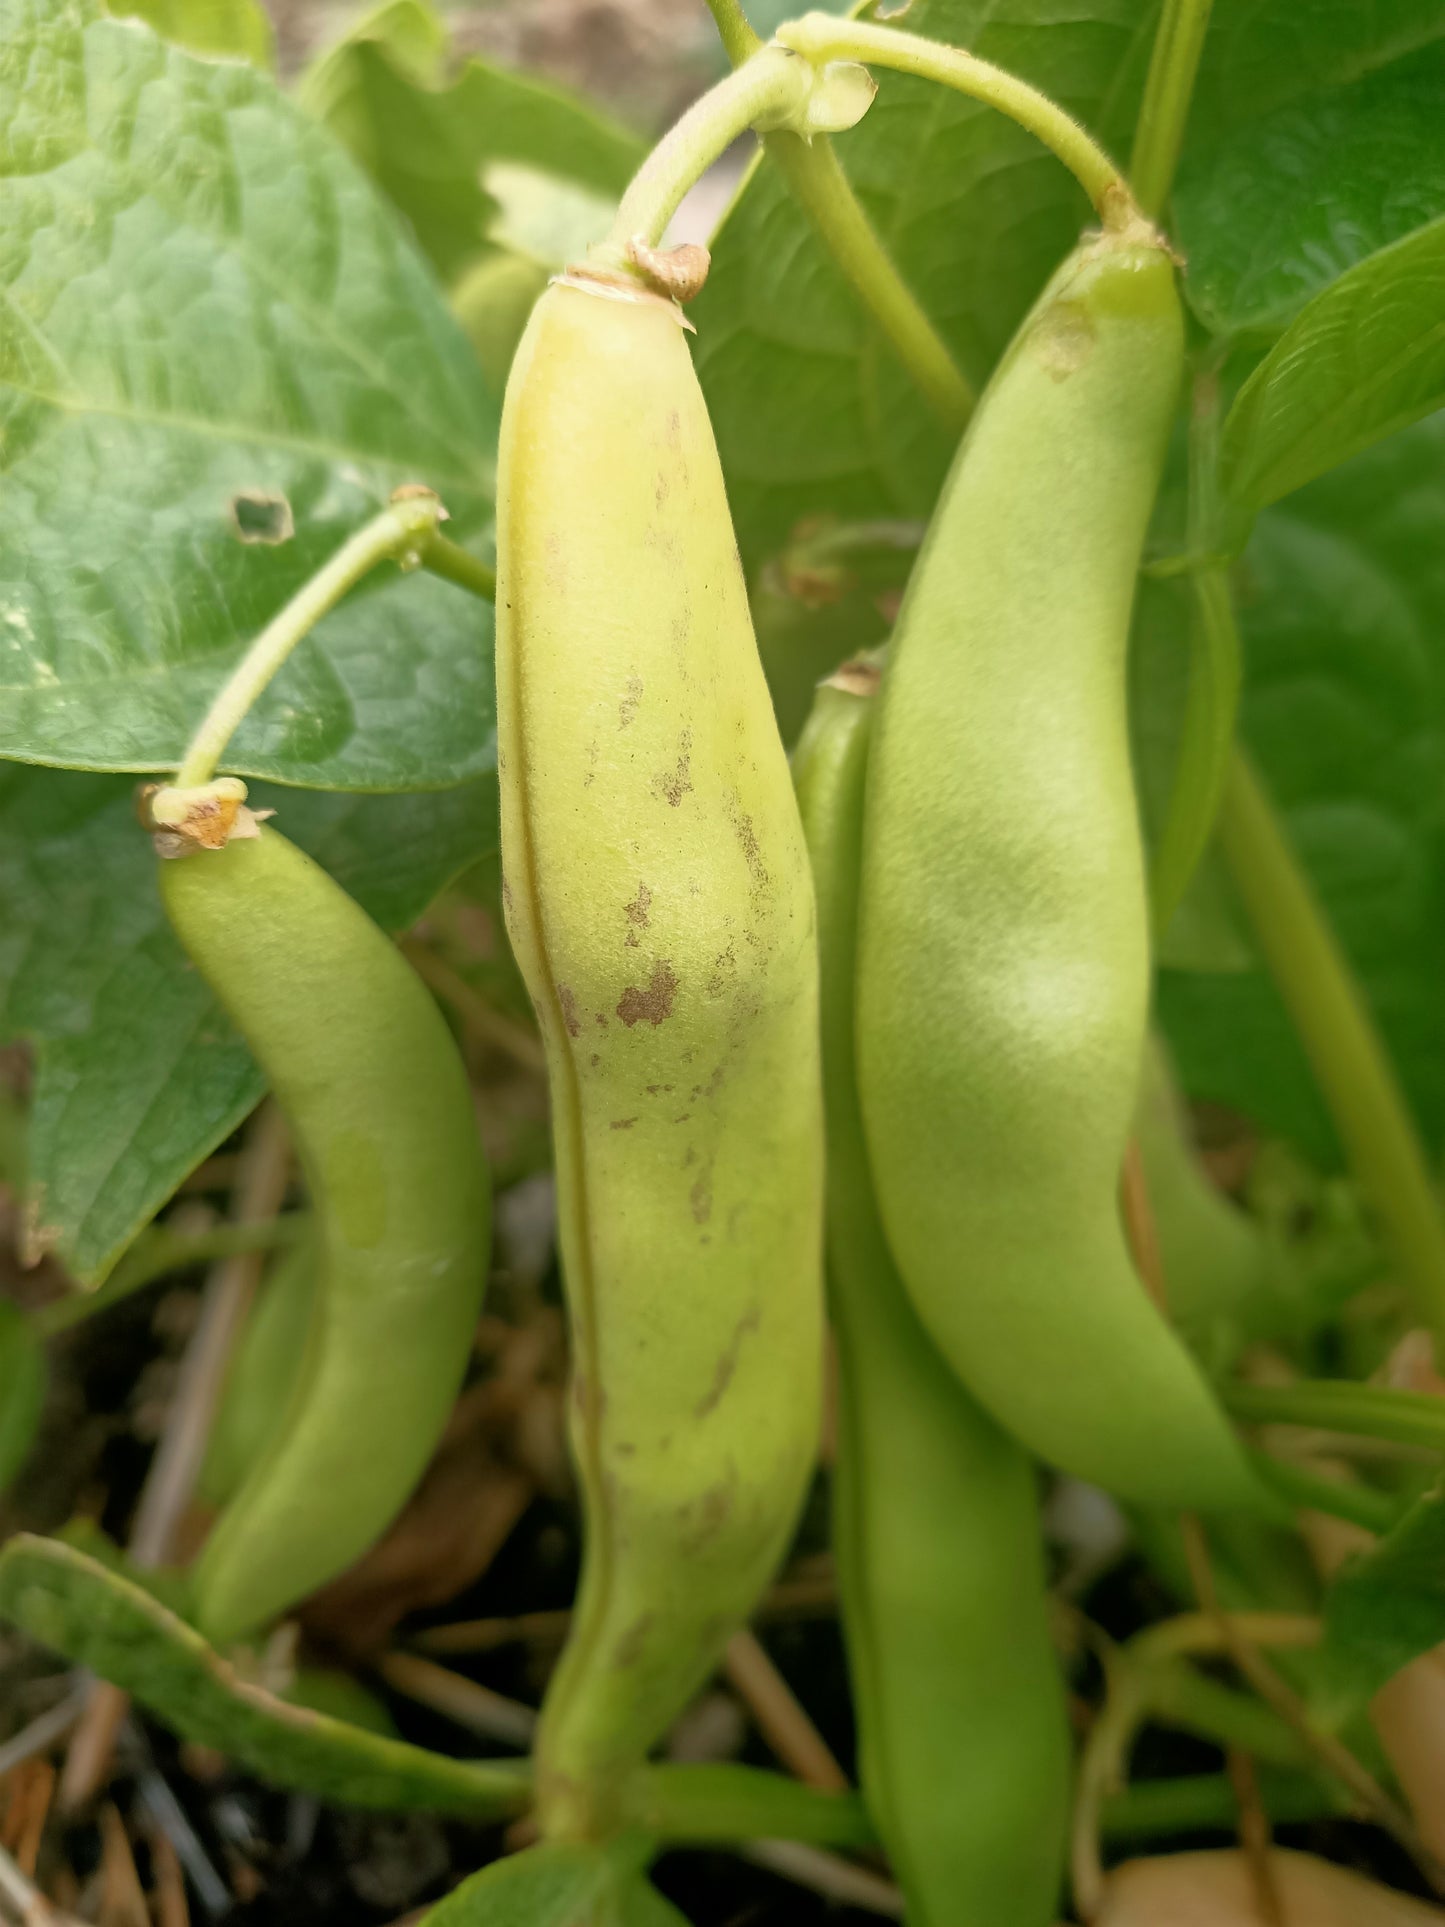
[[97, 1617], [214, 324], [1388, 1606], [427, 139], [1261, 54], [138, 1075], [1276, 209], [812, 413], [234, 29], [22, 1388], [1341, 601], [1363, 360], [557, 1884], [641, 1905]]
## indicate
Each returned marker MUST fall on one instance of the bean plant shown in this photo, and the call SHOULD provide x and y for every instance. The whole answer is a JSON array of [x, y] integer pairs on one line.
[[938, 688]]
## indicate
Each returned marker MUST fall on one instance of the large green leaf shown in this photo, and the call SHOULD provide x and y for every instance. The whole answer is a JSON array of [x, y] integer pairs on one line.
[[1363, 360], [96, 1616], [236, 29], [212, 323], [1261, 54], [1342, 603], [812, 413], [426, 137], [1278, 207], [138, 1074], [559, 1884], [1388, 1607]]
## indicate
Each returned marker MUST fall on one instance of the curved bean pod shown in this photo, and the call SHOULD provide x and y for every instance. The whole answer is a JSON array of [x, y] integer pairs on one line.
[[659, 903], [1004, 939], [964, 1746], [367, 1073]]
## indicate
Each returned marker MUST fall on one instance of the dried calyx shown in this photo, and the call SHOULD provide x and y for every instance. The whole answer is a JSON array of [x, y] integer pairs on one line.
[[207, 816]]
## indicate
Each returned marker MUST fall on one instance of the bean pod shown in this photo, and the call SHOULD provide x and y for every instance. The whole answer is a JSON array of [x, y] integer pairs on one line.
[[963, 1741], [659, 903], [364, 1067], [1004, 940]]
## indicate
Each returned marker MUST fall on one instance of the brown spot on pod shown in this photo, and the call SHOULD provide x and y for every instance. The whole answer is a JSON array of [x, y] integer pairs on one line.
[[567, 1004], [728, 1363], [637, 914], [674, 784], [628, 1649], [622, 1123], [653, 1004], [631, 697]]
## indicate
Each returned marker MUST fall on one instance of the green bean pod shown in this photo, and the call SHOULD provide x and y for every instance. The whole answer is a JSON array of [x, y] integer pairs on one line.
[[660, 906], [1004, 962], [262, 1373], [364, 1067], [1218, 1264], [963, 1742]]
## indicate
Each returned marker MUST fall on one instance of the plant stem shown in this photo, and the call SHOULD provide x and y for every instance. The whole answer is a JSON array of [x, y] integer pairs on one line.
[[815, 176], [1349, 1061], [1204, 1802], [1178, 1696], [821, 37], [453, 563], [734, 30], [1310, 1491], [1167, 94], [770, 87], [165, 1251], [1340, 1405], [708, 1803], [816, 180], [401, 529]]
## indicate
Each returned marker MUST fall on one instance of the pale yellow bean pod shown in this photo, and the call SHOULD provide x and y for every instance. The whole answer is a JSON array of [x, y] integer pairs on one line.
[[659, 901]]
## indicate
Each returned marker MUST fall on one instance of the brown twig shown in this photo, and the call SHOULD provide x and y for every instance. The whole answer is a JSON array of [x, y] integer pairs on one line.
[[828, 1874], [172, 1907], [123, 1902], [780, 1719], [1254, 1829], [476, 1707], [808, 1595], [487, 1026], [1335, 1757]]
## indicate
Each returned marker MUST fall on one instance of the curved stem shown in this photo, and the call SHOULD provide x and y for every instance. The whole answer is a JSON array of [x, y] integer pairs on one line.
[[770, 87], [1167, 94], [734, 30], [400, 529], [816, 180], [821, 37], [165, 1251], [697, 1804], [1340, 1405], [1349, 1061], [815, 176], [1176, 1695], [1206, 1803], [1316, 1492]]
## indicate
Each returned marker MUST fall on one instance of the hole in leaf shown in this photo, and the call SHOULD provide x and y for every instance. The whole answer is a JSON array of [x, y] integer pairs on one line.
[[258, 517]]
